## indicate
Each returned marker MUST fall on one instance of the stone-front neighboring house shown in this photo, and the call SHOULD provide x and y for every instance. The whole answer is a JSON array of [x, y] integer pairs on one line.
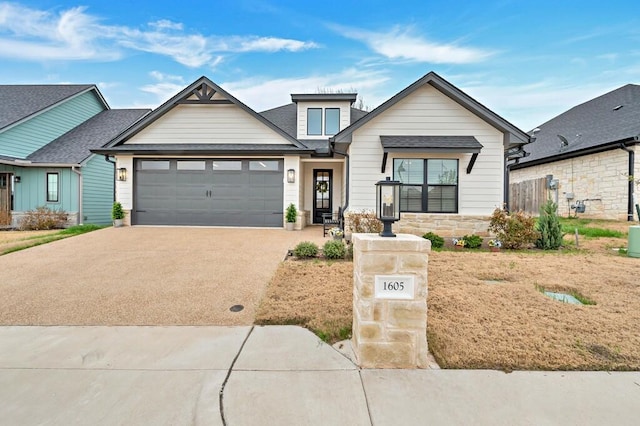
[[46, 133], [205, 158], [588, 154]]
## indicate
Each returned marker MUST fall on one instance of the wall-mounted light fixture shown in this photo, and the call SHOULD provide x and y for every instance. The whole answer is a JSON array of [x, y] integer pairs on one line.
[[16, 179], [122, 174], [291, 176]]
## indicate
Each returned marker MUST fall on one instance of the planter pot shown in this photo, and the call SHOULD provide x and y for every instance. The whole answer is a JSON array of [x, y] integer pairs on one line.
[[337, 237], [290, 226], [494, 249], [117, 223], [458, 247]]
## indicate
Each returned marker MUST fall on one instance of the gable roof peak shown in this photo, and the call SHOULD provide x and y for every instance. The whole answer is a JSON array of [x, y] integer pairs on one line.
[[453, 93]]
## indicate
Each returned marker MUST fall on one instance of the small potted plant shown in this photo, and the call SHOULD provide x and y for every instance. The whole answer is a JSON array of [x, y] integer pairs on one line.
[[458, 244], [494, 245], [291, 216], [117, 214], [336, 233]]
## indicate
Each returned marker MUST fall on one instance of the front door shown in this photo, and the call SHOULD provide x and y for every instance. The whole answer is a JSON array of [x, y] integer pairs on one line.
[[323, 185], [5, 199]]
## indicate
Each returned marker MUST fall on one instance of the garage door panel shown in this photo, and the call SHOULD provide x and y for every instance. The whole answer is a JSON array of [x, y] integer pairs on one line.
[[179, 195]]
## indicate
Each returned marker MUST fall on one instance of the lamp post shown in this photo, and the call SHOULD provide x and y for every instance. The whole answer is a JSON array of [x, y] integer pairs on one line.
[[388, 204]]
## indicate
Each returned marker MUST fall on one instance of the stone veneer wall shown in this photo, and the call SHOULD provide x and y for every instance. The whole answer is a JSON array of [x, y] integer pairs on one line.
[[601, 179], [389, 333], [445, 225]]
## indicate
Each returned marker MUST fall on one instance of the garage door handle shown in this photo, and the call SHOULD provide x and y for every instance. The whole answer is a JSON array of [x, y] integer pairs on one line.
[[141, 211]]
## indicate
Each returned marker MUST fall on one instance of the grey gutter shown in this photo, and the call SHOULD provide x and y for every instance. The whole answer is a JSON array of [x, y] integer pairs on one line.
[[80, 213], [578, 153], [202, 152], [631, 181], [347, 181], [115, 177], [23, 163]]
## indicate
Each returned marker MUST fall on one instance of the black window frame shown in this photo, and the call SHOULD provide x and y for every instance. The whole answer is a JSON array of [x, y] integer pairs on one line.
[[321, 124], [425, 208], [57, 199], [326, 131]]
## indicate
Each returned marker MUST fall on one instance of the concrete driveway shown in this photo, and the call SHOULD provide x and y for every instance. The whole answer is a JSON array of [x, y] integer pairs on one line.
[[144, 276]]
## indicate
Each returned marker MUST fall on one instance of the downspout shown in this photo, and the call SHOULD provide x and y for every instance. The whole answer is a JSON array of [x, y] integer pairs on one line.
[[80, 213], [106, 158], [631, 181], [507, 171], [346, 187]]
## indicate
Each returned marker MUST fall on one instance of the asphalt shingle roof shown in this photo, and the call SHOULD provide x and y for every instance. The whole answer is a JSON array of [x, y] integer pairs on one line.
[[20, 101], [431, 142], [200, 148], [73, 147], [612, 117]]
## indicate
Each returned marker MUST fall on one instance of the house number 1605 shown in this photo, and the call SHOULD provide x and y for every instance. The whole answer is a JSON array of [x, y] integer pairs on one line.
[[394, 287]]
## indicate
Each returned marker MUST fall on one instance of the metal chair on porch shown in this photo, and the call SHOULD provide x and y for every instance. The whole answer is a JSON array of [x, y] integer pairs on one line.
[[331, 220]]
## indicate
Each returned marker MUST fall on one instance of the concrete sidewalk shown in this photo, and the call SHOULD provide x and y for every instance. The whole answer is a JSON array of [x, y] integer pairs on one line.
[[277, 375]]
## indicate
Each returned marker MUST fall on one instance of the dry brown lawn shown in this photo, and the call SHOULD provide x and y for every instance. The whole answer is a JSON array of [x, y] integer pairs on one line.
[[485, 310]]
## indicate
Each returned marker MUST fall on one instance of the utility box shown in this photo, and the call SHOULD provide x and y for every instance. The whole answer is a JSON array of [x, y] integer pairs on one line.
[[634, 241]]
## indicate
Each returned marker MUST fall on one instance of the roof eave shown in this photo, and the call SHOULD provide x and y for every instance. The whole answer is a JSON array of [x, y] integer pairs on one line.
[[114, 151], [35, 164], [579, 153]]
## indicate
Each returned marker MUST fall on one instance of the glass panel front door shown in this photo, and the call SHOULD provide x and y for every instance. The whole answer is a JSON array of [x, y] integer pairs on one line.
[[322, 182]]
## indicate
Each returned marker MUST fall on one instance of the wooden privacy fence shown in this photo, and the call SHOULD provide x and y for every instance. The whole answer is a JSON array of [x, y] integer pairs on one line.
[[528, 195]]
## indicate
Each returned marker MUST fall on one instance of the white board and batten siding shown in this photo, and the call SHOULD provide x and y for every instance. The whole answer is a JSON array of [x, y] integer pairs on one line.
[[428, 112], [208, 124]]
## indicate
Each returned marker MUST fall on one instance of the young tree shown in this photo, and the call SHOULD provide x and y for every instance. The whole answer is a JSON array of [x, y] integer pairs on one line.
[[549, 227]]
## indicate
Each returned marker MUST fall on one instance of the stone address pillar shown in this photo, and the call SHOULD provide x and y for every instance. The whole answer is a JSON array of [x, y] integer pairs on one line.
[[390, 301]]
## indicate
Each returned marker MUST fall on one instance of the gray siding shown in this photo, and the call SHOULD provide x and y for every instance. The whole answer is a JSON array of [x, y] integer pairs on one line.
[[97, 191]]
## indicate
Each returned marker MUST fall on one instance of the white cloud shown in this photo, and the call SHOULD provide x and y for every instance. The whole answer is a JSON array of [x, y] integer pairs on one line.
[[529, 105], [263, 93], [401, 44], [73, 34]]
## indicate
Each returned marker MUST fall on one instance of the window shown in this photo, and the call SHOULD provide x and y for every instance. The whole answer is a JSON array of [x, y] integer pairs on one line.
[[53, 187], [331, 121], [429, 186], [155, 165], [267, 166], [191, 165], [234, 165], [314, 121]]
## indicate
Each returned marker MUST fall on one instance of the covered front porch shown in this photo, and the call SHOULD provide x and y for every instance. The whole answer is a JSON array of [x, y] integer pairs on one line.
[[321, 189]]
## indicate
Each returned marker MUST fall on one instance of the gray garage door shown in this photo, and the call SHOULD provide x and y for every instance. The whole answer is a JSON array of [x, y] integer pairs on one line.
[[208, 192]]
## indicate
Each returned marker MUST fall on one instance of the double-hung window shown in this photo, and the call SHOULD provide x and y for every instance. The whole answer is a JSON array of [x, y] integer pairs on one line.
[[53, 187], [428, 185]]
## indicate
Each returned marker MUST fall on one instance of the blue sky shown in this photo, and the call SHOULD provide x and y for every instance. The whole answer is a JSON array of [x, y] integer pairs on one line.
[[527, 61]]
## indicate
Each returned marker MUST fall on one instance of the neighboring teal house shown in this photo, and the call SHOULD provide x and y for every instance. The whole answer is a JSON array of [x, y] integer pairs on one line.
[[46, 133]]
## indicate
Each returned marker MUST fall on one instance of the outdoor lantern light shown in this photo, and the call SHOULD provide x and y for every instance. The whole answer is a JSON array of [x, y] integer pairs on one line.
[[291, 176], [122, 174], [388, 204]]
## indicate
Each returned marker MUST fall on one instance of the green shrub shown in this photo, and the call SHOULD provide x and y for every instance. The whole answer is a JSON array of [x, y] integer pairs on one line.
[[364, 222], [292, 213], [306, 249], [334, 249], [515, 230], [472, 241], [43, 218], [549, 227], [436, 240], [117, 213]]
